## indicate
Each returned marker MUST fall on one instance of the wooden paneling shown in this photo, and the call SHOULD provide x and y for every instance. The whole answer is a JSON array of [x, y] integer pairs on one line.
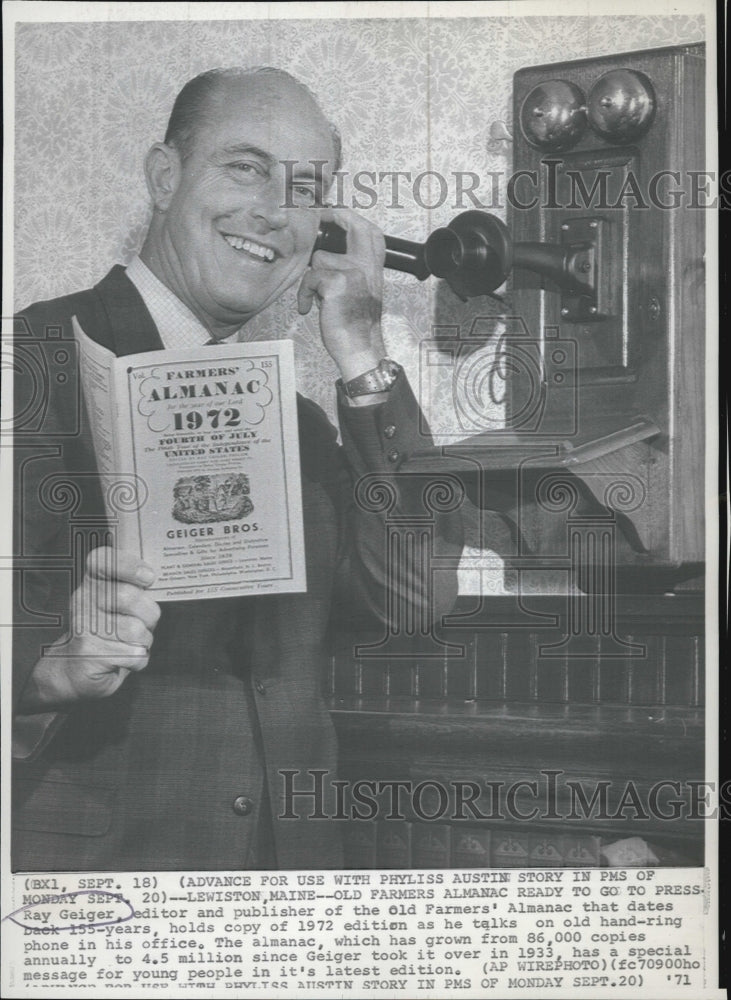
[[504, 713]]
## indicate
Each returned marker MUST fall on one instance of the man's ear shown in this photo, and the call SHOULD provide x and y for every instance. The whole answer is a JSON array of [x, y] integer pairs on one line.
[[163, 169]]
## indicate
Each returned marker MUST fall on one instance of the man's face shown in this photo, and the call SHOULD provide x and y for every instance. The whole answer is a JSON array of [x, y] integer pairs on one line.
[[229, 245]]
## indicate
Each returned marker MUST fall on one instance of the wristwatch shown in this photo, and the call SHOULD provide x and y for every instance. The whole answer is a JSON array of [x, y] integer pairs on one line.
[[378, 379]]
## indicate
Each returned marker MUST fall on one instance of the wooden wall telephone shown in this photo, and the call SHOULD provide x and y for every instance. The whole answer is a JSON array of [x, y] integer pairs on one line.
[[620, 283]]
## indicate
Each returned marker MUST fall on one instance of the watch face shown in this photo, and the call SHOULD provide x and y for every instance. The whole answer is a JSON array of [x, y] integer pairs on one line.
[[389, 370], [377, 379]]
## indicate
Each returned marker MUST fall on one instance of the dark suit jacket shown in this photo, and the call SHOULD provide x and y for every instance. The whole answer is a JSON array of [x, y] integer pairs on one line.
[[174, 770]]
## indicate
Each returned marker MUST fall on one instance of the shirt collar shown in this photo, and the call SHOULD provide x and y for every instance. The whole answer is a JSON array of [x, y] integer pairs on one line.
[[177, 325]]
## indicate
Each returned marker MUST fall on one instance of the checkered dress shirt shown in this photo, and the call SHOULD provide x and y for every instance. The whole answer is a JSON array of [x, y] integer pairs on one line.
[[175, 323]]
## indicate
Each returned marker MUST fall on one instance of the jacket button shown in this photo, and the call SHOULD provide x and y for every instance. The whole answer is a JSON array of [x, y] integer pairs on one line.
[[242, 805], [392, 456], [389, 430], [260, 689]]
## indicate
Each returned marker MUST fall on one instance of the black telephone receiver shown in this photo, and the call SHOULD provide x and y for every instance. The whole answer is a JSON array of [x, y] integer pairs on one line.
[[401, 255], [332, 238], [472, 254]]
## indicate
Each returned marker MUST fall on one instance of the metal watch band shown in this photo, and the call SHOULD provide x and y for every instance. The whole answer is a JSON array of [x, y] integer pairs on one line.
[[378, 379]]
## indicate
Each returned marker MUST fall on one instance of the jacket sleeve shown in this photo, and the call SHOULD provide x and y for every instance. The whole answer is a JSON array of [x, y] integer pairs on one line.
[[402, 531], [50, 501]]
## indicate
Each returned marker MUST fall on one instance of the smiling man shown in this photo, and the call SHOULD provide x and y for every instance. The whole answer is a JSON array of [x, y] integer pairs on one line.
[[155, 736]]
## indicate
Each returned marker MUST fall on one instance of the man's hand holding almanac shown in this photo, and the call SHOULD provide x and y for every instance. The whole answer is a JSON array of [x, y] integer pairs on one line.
[[111, 630]]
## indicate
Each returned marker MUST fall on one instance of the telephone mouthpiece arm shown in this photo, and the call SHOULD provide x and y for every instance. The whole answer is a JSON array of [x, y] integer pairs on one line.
[[405, 255], [474, 254]]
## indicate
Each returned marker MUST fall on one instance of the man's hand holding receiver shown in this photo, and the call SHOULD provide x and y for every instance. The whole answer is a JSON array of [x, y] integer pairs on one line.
[[349, 291]]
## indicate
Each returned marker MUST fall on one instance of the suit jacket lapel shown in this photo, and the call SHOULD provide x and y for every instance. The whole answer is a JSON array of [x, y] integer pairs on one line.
[[132, 328]]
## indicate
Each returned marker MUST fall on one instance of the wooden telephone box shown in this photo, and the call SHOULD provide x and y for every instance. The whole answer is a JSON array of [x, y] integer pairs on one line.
[[608, 163], [601, 470]]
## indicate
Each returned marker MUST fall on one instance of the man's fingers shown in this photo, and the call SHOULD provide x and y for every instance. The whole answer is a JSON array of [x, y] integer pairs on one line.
[[130, 600], [122, 654], [118, 598], [96, 655], [101, 636], [330, 276], [324, 261], [135, 660], [306, 292], [362, 236], [132, 631], [123, 673], [107, 563]]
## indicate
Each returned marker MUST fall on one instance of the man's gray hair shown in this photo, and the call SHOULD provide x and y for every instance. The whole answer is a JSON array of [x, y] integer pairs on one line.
[[193, 103]]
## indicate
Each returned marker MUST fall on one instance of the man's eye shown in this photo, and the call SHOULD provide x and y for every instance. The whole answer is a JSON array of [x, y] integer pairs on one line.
[[247, 169], [303, 194]]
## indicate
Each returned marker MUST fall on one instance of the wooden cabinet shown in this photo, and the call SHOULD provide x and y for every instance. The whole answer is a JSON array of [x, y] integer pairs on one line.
[[561, 731]]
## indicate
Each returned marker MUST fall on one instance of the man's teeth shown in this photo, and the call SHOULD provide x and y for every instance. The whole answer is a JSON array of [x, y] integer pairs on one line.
[[239, 243]]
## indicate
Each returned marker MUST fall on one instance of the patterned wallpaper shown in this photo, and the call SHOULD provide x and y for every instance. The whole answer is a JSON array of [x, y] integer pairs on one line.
[[414, 95], [408, 95]]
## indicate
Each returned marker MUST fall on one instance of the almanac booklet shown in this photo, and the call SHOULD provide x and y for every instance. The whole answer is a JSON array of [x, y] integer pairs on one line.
[[198, 455]]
